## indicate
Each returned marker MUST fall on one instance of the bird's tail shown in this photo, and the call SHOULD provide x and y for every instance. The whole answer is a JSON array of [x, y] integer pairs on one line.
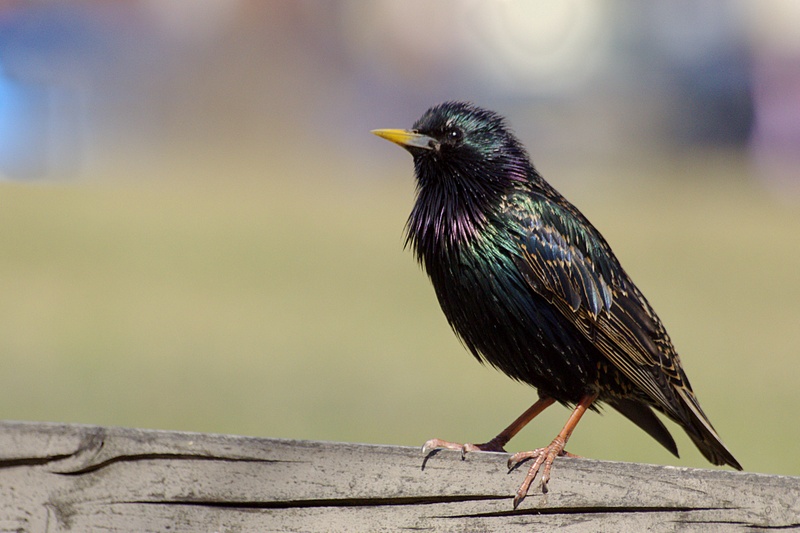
[[702, 433]]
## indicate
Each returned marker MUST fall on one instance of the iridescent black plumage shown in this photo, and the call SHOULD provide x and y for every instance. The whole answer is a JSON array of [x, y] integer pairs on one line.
[[530, 286]]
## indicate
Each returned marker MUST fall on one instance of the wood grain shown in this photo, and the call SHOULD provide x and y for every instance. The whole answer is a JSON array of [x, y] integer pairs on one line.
[[59, 477]]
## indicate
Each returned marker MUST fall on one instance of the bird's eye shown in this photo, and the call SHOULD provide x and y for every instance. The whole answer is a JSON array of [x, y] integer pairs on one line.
[[453, 134]]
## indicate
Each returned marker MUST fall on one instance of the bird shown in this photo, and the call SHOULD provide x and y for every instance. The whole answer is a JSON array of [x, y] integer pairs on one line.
[[533, 289]]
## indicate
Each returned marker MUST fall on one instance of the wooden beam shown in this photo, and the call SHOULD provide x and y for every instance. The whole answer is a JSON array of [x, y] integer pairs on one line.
[[65, 477]]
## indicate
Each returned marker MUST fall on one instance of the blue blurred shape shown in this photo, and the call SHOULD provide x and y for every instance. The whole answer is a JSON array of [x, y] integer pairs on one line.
[[23, 129]]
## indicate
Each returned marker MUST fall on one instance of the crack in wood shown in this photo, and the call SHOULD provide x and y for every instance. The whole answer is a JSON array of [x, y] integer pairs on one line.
[[742, 523], [32, 461], [795, 525], [168, 457], [586, 510], [325, 502]]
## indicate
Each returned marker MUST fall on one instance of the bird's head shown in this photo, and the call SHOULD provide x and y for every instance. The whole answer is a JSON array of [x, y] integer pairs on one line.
[[456, 144], [465, 161]]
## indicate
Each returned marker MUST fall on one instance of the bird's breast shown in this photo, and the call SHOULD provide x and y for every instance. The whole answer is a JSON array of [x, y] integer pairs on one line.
[[503, 321]]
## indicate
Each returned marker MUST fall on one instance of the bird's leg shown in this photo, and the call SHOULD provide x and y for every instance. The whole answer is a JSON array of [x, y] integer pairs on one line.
[[546, 456], [497, 443]]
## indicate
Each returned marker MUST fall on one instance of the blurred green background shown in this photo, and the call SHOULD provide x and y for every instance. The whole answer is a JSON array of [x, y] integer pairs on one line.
[[198, 232]]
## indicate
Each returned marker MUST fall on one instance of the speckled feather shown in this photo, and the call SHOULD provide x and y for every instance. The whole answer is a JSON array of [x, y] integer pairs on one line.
[[532, 288]]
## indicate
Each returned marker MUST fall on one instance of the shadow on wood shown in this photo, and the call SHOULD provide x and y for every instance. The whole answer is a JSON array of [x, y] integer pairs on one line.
[[57, 477]]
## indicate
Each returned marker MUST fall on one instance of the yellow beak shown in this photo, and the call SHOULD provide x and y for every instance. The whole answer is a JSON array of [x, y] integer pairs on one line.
[[407, 139]]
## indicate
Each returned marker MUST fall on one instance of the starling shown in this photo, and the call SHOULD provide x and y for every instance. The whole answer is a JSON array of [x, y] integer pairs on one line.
[[531, 287]]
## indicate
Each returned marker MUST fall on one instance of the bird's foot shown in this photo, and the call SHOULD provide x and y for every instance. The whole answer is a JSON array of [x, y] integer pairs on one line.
[[544, 456], [432, 445]]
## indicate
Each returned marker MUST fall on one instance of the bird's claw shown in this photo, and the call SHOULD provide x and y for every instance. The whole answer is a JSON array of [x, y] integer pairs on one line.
[[543, 456], [438, 444]]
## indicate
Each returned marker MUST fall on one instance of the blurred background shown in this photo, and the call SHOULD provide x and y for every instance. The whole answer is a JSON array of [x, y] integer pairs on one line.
[[198, 232]]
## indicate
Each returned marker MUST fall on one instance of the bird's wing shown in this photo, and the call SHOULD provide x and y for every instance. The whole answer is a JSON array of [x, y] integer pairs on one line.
[[563, 259], [566, 260]]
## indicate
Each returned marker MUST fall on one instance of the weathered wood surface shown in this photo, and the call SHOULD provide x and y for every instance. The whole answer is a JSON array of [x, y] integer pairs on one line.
[[57, 477]]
